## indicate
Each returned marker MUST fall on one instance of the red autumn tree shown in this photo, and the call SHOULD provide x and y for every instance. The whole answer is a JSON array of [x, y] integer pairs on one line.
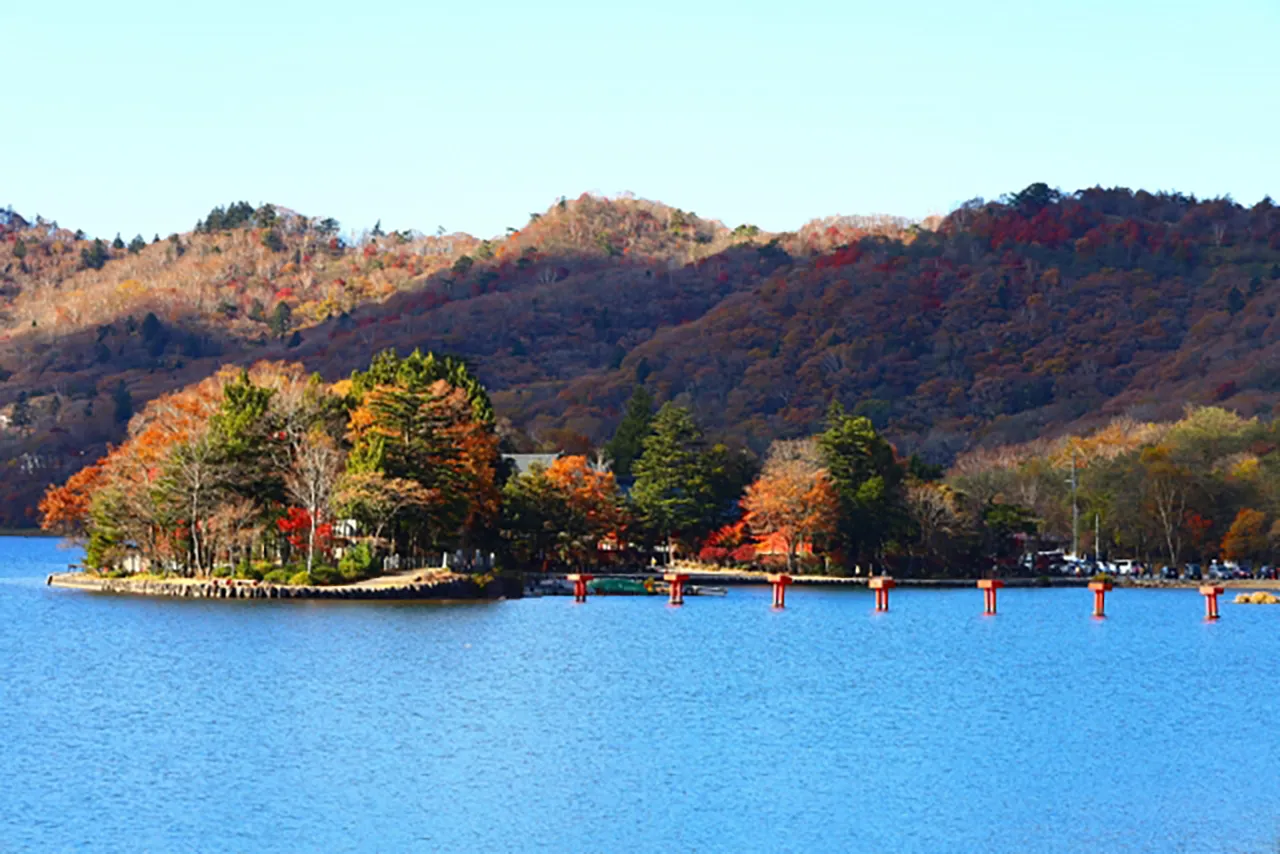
[[1247, 537], [793, 500]]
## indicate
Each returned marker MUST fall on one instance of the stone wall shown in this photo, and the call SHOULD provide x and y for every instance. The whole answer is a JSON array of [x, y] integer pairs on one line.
[[453, 588]]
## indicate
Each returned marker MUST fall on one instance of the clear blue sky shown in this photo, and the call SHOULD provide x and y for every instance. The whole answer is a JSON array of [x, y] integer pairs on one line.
[[138, 115]]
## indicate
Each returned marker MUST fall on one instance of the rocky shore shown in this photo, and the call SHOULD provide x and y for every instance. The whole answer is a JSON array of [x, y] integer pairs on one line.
[[456, 587]]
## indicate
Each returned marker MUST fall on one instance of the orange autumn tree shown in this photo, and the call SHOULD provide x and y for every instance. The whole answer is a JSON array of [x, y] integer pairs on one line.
[[793, 500], [1247, 537], [593, 503], [126, 500], [65, 509]]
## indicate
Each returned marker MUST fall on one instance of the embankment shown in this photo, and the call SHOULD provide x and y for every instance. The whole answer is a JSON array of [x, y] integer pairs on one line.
[[454, 587]]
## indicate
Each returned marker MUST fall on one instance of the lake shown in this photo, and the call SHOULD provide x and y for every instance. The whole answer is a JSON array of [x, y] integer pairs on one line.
[[626, 725]]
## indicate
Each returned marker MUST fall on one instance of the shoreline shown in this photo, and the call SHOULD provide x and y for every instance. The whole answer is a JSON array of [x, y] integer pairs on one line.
[[441, 587], [417, 588]]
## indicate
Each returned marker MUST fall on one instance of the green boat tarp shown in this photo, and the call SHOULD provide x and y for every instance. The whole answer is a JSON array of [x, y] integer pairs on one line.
[[622, 586]]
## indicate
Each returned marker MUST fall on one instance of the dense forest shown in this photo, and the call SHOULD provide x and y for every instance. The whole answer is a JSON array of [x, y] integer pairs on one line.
[[1037, 315], [273, 474]]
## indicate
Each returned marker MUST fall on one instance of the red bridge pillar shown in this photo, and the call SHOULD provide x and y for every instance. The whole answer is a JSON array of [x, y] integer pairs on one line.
[[579, 586], [1100, 589], [1210, 594], [882, 584], [676, 580], [989, 586], [780, 582]]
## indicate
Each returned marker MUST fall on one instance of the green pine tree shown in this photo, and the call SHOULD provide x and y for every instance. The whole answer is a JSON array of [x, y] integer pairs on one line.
[[628, 440], [672, 493], [1235, 301], [21, 415], [137, 244], [868, 481], [117, 243], [123, 403], [281, 318], [20, 249], [96, 256]]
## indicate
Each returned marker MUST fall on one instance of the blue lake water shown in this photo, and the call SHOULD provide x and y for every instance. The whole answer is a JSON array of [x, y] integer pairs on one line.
[[625, 725]]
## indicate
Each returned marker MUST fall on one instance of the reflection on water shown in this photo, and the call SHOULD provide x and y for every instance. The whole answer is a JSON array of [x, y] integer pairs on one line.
[[626, 725]]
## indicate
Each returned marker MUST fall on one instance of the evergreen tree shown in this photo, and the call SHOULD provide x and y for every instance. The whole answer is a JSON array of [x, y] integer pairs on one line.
[[137, 244], [240, 432], [377, 229], [672, 492], [418, 371], [96, 256], [154, 335], [117, 243], [151, 327], [729, 472], [628, 440], [21, 415], [20, 249], [1235, 301], [123, 403], [266, 216], [281, 318], [868, 481]]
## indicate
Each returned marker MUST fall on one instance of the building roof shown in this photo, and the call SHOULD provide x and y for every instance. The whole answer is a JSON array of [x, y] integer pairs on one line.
[[525, 462]]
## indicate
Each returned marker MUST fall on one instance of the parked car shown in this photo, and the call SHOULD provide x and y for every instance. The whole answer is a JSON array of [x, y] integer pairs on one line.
[[1169, 573], [1192, 572]]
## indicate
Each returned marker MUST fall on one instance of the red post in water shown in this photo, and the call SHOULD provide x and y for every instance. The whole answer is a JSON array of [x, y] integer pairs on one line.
[[1100, 589], [676, 580], [989, 586], [1210, 594], [780, 582], [579, 586], [882, 584]]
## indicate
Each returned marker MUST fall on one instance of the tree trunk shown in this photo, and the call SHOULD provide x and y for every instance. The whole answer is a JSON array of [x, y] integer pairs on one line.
[[311, 542], [195, 536]]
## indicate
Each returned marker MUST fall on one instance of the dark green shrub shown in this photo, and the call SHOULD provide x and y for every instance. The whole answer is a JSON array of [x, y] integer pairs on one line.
[[277, 576], [249, 571], [356, 562], [324, 574]]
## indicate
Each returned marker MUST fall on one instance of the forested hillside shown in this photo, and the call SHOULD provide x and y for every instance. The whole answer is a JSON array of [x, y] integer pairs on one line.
[[999, 323]]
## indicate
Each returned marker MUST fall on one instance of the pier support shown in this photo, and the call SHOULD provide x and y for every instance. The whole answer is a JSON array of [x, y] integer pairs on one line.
[[676, 580], [780, 581], [579, 586], [989, 586], [882, 584], [1100, 589], [1210, 594]]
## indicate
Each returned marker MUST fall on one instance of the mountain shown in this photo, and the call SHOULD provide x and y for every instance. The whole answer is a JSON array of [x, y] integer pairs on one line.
[[999, 323]]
